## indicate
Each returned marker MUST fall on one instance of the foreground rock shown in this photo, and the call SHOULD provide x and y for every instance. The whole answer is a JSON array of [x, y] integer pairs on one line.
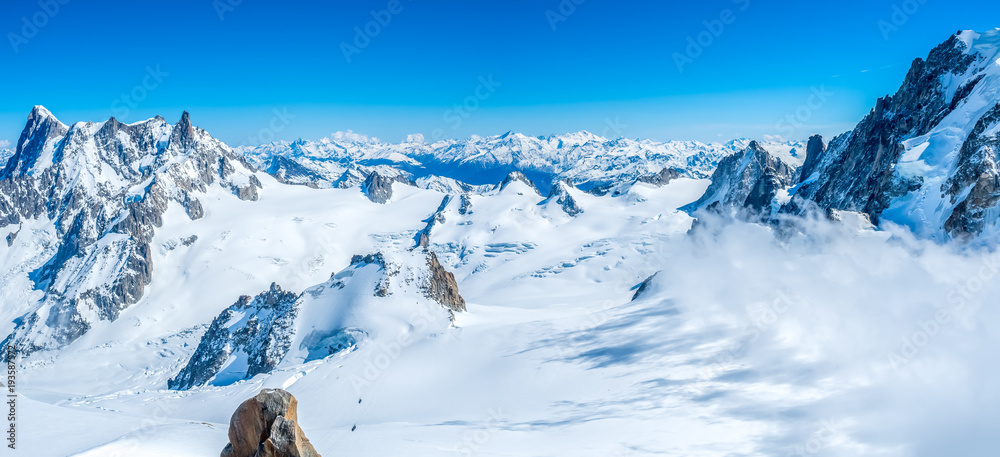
[[267, 426]]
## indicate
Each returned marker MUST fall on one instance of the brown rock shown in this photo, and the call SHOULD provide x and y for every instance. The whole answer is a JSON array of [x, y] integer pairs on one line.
[[442, 286], [267, 426]]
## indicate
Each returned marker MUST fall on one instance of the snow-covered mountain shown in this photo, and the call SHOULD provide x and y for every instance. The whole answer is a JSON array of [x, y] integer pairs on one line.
[[514, 295], [5, 154], [91, 196], [587, 160], [925, 158]]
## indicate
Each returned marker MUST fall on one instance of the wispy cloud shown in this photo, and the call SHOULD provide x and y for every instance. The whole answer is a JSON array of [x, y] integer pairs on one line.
[[354, 137], [4, 144]]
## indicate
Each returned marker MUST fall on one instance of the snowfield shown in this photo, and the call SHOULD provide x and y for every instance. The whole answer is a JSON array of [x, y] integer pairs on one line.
[[743, 344], [517, 296]]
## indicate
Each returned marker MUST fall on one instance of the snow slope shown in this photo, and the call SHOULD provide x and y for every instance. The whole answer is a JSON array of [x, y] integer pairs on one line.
[[590, 324]]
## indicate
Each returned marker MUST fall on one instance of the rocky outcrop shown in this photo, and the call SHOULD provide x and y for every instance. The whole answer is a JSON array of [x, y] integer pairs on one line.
[[442, 287], [288, 171], [560, 195], [748, 180], [466, 206], [517, 176], [253, 335], [377, 188], [644, 286], [423, 237], [267, 426], [976, 178], [814, 152], [664, 177]]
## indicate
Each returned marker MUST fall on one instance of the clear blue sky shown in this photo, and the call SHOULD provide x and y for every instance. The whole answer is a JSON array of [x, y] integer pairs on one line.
[[604, 63]]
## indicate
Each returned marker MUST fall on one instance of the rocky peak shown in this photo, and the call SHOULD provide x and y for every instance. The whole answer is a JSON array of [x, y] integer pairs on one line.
[[41, 133], [377, 188], [442, 287], [747, 180], [183, 133], [664, 177], [858, 171], [97, 182], [257, 331], [517, 176], [814, 151], [561, 196]]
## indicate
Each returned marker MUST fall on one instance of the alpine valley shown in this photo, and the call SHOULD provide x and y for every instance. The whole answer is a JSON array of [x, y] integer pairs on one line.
[[514, 295]]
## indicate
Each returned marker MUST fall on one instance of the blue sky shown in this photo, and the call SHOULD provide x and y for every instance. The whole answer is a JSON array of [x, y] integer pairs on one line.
[[250, 70]]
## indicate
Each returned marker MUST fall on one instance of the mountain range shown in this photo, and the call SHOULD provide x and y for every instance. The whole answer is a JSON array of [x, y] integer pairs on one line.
[[152, 271]]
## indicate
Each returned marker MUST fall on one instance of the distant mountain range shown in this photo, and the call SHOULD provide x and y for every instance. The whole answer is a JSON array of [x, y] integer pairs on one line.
[[181, 263], [585, 159]]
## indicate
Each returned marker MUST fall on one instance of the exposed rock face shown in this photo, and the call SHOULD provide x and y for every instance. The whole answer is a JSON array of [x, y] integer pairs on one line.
[[976, 169], [256, 335], [105, 187], [664, 177], [378, 188], [288, 171], [749, 179], [517, 176], [442, 287], [856, 171], [257, 330], [267, 426], [814, 151], [560, 194], [643, 286], [466, 207], [423, 237]]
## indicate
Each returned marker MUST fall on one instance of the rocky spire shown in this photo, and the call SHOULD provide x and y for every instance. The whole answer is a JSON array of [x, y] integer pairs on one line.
[[814, 150]]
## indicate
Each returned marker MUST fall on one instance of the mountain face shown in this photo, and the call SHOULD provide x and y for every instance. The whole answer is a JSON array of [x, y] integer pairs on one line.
[[255, 335], [247, 339], [749, 179], [924, 157], [586, 160], [103, 188]]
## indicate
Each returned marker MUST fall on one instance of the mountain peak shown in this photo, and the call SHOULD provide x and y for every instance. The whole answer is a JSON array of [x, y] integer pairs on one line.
[[183, 133], [40, 112]]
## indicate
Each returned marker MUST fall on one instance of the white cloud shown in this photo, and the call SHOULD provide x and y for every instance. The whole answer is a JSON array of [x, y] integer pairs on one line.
[[890, 339], [354, 137], [4, 144], [415, 138]]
